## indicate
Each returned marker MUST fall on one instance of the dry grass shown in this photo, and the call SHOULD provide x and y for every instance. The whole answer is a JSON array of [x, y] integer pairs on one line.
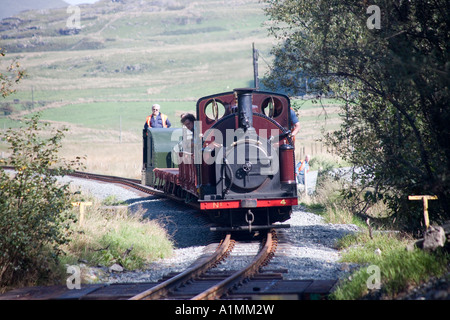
[[108, 237], [111, 158]]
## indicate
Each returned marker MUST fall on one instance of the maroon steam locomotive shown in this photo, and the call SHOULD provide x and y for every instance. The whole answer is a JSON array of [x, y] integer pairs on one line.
[[237, 165]]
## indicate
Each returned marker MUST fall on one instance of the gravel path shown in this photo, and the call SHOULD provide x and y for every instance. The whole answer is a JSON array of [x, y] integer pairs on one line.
[[306, 250]]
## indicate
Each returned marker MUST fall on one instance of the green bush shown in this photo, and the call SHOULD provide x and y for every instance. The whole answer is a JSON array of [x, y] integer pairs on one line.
[[34, 215]]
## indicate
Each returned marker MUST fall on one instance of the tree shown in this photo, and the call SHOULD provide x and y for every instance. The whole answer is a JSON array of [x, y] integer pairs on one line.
[[6, 109], [34, 215], [393, 76], [11, 76]]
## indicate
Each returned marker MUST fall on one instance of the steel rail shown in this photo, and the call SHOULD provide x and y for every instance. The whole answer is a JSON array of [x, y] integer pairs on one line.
[[133, 183], [199, 268], [89, 175], [221, 288], [93, 176]]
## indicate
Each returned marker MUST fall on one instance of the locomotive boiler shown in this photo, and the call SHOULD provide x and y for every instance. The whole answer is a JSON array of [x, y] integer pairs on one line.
[[237, 166]]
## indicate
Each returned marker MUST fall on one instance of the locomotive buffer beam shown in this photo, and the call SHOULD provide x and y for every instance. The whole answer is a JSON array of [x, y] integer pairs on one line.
[[250, 228]]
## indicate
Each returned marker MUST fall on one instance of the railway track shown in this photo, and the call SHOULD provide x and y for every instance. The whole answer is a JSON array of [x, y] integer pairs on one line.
[[201, 281], [197, 284], [131, 183], [128, 182], [200, 267]]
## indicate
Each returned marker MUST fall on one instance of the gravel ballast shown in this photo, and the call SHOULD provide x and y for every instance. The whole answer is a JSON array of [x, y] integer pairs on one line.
[[306, 249]]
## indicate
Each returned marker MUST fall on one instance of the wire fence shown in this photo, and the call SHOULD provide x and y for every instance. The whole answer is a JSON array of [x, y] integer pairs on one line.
[[313, 149]]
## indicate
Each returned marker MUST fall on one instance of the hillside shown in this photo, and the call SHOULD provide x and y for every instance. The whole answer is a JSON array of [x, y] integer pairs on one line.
[[137, 50], [139, 42], [13, 7], [102, 77]]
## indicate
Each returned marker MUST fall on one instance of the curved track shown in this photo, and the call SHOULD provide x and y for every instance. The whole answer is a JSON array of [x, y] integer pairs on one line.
[[199, 281], [172, 285], [264, 255], [133, 183], [195, 284], [194, 271]]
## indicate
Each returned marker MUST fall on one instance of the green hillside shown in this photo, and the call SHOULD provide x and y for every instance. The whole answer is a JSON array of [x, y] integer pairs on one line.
[[126, 56], [137, 51]]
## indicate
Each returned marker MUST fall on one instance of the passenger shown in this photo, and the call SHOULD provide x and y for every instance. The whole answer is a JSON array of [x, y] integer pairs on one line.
[[188, 120], [302, 168], [157, 119]]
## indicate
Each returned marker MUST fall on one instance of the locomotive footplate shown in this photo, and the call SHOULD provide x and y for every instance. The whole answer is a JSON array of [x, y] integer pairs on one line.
[[250, 228]]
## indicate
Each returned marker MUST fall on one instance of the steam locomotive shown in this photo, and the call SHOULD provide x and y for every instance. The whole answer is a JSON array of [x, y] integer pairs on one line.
[[237, 166]]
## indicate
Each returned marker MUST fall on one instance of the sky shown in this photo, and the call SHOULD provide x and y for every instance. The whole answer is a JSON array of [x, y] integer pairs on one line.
[[75, 2]]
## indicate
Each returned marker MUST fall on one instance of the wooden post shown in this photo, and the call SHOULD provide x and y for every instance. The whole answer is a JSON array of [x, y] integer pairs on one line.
[[255, 67], [306, 184], [81, 205], [425, 206]]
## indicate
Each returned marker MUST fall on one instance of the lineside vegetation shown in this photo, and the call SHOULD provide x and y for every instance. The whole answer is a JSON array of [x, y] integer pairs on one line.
[[34, 215], [376, 244], [39, 229]]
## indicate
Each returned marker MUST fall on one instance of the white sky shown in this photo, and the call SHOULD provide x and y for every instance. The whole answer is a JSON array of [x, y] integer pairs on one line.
[[75, 2]]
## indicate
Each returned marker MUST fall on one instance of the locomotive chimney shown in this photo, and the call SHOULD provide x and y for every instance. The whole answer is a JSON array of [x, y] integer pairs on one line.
[[245, 112]]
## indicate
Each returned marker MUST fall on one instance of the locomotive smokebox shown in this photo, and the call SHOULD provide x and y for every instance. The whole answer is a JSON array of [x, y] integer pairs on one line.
[[244, 102]]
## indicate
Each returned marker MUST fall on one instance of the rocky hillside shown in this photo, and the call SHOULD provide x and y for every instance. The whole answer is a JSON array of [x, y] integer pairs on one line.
[[13, 7], [163, 47]]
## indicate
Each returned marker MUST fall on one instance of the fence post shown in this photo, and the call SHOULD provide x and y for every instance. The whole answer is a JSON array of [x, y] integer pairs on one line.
[[306, 183], [81, 205]]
